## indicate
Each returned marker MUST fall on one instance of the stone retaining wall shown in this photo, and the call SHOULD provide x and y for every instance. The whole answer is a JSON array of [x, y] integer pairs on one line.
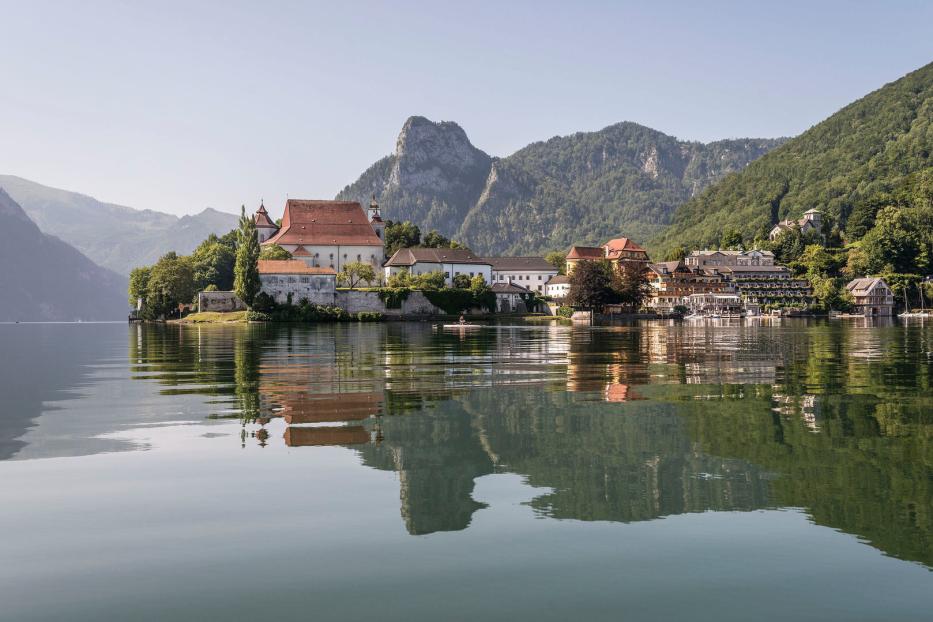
[[220, 302]]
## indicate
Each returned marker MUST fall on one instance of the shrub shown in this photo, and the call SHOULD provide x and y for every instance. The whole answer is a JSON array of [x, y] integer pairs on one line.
[[564, 311], [258, 316], [369, 316]]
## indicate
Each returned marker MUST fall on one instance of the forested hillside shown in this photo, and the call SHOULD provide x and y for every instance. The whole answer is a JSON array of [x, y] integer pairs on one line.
[[869, 155]]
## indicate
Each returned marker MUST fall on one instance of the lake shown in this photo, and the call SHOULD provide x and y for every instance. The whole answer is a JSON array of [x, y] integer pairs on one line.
[[653, 471]]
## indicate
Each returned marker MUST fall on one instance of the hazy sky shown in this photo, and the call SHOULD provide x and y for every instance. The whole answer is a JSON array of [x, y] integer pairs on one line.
[[176, 106]]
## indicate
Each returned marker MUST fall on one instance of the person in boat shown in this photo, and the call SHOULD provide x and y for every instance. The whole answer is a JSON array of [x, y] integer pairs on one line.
[[462, 320]]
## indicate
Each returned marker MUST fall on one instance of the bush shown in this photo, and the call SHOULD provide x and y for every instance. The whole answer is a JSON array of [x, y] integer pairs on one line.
[[369, 316], [258, 316], [455, 301], [563, 311]]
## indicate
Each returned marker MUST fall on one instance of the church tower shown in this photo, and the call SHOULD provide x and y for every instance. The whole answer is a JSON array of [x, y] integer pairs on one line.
[[265, 228], [376, 220]]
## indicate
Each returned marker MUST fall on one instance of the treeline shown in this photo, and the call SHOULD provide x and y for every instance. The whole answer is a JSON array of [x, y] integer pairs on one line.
[[406, 234], [213, 266]]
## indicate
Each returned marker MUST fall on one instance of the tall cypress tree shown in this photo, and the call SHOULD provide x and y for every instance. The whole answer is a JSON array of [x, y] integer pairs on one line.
[[246, 270]]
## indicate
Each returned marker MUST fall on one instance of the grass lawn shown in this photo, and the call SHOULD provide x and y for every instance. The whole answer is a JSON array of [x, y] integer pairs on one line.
[[214, 317]]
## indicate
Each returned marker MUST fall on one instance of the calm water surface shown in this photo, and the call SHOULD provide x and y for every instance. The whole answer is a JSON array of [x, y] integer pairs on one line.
[[388, 471]]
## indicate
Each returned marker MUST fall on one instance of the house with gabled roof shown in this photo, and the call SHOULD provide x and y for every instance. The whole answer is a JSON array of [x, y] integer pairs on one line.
[[619, 250], [812, 221], [871, 297], [530, 272], [328, 234], [449, 261]]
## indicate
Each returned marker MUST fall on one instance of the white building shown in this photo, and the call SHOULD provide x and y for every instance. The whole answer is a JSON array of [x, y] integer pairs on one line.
[[450, 261], [557, 287], [281, 278], [812, 221], [530, 272], [719, 259], [510, 298], [328, 234]]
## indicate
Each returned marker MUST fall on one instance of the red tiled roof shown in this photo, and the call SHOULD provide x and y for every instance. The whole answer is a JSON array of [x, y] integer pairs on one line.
[[586, 252], [616, 246], [325, 223], [261, 218], [290, 266], [301, 251]]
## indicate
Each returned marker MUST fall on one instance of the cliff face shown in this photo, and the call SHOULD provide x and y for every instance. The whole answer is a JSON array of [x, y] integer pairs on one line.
[[45, 279], [625, 179]]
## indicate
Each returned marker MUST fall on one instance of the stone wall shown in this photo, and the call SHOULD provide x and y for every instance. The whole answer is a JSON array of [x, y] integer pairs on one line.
[[219, 301], [355, 301], [317, 289]]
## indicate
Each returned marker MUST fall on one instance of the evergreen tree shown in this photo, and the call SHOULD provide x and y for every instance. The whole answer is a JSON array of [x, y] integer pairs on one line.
[[246, 270]]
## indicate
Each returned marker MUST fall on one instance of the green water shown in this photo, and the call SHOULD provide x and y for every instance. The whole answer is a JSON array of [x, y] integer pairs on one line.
[[389, 471]]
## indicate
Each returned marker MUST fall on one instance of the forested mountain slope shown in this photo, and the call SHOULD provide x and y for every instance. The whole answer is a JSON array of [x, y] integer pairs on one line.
[[866, 156], [584, 188]]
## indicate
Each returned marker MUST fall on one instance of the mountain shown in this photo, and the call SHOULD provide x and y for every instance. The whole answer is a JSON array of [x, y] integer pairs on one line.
[[46, 279], [863, 157], [584, 188], [115, 237]]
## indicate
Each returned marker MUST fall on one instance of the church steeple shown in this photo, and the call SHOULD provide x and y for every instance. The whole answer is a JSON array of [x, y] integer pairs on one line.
[[375, 219], [264, 225]]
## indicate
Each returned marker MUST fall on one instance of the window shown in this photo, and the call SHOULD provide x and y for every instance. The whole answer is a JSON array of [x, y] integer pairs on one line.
[[305, 279], [359, 258], [447, 275], [292, 279], [471, 275], [332, 258]]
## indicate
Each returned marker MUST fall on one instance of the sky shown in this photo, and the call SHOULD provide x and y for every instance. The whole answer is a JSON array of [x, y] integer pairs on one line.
[[178, 106]]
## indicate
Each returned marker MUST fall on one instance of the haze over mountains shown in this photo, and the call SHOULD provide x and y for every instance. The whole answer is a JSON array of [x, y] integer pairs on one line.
[[582, 188], [47, 280], [114, 236]]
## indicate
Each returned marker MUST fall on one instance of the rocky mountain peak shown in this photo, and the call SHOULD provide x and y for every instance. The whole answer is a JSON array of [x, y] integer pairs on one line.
[[432, 155]]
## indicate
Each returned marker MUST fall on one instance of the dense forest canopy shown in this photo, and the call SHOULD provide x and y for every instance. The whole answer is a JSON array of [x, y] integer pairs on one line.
[[874, 153]]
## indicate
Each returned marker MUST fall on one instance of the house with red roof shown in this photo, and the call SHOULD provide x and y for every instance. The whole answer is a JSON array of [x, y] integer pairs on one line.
[[618, 250], [326, 234]]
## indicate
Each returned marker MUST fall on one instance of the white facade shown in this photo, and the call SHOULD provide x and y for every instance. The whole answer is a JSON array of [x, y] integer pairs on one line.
[[336, 256], [317, 289], [535, 280], [557, 287], [450, 270]]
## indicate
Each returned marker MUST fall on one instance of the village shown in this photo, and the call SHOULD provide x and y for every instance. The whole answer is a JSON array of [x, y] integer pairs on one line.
[[337, 258]]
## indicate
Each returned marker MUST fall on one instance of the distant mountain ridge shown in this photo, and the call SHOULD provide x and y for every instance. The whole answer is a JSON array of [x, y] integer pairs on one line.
[[583, 188], [45, 279], [114, 236], [863, 157]]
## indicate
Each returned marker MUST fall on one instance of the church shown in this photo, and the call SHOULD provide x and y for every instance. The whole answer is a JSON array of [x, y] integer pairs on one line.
[[326, 234]]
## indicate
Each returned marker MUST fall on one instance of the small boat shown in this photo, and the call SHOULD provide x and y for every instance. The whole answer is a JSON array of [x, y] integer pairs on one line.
[[459, 326]]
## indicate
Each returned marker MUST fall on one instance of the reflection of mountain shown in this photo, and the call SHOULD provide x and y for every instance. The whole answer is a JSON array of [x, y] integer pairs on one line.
[[437, 456], [50, 363]]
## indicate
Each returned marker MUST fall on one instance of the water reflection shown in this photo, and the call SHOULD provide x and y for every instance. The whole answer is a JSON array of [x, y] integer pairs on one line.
[[620, 424]]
